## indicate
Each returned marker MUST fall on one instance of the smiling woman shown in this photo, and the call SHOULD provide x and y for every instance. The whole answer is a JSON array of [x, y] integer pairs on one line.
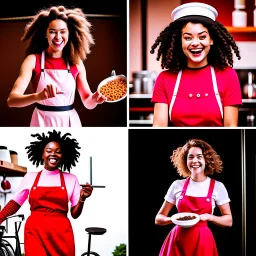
[[59, 40], [199, 86], [49, 193], [197, 194]]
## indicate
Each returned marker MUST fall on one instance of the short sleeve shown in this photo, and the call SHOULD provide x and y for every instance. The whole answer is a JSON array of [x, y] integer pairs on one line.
[[75, 193], [222, 196], [159, 92], [232, 91], [171, 193], [22, 192]]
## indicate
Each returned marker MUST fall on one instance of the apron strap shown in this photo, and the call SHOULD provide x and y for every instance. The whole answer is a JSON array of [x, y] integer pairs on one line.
[[37, 179], [176, 87], [62, 181], [211, 187], [184, 189], [42, 61], [216, 91]]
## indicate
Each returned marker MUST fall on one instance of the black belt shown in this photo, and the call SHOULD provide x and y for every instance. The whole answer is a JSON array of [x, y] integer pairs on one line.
[[54, 108]]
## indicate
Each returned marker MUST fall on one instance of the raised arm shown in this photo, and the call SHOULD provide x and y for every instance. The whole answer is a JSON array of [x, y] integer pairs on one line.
[[84, 193], [89, 99]]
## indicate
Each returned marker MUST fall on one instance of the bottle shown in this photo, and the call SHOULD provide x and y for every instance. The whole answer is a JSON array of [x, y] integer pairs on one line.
[[249, 89], [239, 16]]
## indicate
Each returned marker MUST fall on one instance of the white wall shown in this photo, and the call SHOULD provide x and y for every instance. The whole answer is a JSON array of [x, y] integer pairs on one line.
[[107, 207]]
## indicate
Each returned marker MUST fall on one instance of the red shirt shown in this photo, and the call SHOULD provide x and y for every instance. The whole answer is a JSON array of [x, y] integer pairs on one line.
[[202, 110], [50, 63]]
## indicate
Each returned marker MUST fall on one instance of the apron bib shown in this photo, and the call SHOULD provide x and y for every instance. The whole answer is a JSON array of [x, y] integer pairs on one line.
[[196, 107], [64, 80], [48, 231], [197, 240]]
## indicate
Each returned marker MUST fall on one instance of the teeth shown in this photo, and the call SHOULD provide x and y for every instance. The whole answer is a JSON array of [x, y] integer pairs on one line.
[[196, 51], [58, 42], [53, 161]]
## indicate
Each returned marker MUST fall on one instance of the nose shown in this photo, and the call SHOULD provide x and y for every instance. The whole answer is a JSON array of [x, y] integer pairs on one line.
[[58, 35], [194, 159], [195, 42]]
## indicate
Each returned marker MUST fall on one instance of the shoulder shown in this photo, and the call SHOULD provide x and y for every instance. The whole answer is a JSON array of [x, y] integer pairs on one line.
[[219, 185], [30, 60], [167, 74], [30, 175], [226, 72], [69, 176], [178, 183]]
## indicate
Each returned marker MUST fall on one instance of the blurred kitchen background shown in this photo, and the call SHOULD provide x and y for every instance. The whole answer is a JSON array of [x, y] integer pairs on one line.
[[109, 29], [149, 17]]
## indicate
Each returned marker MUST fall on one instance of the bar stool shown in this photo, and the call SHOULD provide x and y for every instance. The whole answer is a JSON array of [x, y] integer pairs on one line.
[[93, 231]]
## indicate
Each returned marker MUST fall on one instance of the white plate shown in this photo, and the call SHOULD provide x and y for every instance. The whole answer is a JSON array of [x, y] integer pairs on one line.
[[185, 223], [111, 78]]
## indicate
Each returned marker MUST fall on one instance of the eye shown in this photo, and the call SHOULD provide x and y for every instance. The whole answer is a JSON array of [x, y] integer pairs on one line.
[[202, 37], [188, 38]]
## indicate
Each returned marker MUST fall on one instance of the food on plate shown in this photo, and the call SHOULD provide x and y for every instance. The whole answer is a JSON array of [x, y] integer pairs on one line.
[[188, 217], [114, 89]]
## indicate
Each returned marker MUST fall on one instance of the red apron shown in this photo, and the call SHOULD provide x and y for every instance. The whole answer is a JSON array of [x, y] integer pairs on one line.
[[48, 231], [197, 240]]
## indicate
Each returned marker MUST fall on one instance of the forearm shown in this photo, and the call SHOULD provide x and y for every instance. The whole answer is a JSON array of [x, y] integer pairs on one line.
[[162, 220], [77, 209], [19, 100], [10, 208], [89, 102], [222, 221]]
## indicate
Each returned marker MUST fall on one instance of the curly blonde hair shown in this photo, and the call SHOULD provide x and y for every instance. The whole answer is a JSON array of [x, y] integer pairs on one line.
[[213, 162], [80, 37]]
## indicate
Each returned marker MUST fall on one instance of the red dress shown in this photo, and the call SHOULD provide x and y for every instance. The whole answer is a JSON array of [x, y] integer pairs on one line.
[[48, 231], [197, 240], [197, 102]]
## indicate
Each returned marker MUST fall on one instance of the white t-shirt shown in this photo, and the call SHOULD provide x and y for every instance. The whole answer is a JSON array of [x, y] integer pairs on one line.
[[198, 189]]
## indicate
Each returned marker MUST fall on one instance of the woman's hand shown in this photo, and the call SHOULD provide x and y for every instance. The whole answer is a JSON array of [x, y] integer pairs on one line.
[[98, 97], [49, 91], [86, 191], [206, 216]]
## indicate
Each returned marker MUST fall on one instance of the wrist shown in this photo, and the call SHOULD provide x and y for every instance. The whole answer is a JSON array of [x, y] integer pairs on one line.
[[82, 200]]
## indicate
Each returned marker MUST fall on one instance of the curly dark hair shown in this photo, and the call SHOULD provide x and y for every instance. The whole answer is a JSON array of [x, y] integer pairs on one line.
[[213, 162], [80, 37], [68, 146], [170, 51]]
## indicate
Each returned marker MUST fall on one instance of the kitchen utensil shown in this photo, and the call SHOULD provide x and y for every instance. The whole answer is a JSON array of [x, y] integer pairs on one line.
[[112, 78], [5, 154], [143, 81], [14, 156], [185, 223]]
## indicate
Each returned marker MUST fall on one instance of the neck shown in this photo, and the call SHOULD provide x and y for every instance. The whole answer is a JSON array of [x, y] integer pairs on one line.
[[53, 54], [198, 178]]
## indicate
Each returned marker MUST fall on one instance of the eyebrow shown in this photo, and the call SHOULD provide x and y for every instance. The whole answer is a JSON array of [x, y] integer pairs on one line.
[[196, 154], [198, 33], [57, 29]]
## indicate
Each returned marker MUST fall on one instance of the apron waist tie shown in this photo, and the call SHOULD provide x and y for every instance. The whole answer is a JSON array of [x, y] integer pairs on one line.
[[201, 224], [54, 108], [41, 213]]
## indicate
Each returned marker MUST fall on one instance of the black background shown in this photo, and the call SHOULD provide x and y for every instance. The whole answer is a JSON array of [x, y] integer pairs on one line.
[[151, 173]]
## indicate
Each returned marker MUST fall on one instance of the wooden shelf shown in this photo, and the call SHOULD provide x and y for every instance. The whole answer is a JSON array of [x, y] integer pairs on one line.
[[249, 29], [12, 170]]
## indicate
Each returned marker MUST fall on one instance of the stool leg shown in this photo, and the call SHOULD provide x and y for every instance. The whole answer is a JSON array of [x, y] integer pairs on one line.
[[89, 244]]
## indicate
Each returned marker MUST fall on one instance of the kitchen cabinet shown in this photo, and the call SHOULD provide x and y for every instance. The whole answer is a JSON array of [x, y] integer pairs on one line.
[[12, 170]]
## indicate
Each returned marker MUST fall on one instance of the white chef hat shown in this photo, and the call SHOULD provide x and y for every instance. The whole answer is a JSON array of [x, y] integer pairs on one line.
[[194, 8]]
